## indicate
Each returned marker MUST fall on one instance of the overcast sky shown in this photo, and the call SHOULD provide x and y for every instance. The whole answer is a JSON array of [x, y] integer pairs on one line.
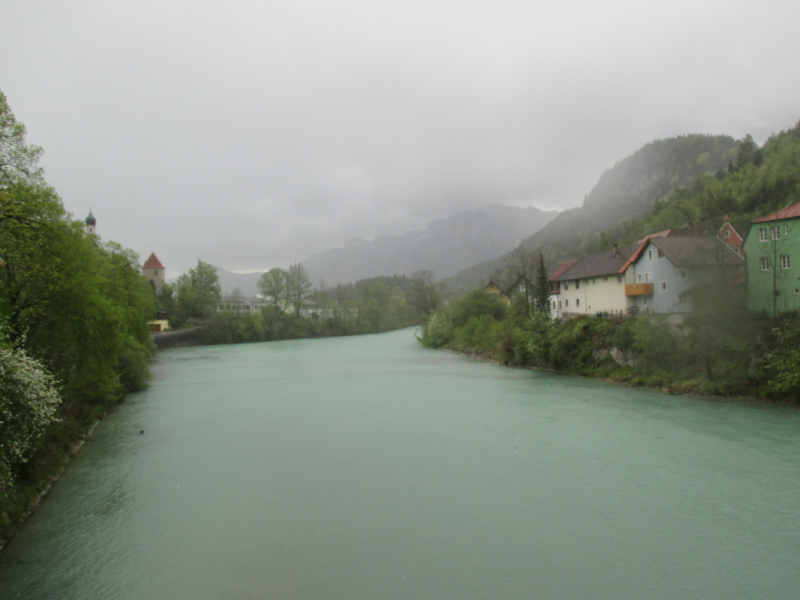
[[251, 134]]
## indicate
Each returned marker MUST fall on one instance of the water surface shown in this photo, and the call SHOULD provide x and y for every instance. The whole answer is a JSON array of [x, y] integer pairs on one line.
[[369, 467]]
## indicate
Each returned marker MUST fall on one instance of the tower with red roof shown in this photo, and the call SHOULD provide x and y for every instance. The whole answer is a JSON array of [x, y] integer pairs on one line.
[[154, 272]]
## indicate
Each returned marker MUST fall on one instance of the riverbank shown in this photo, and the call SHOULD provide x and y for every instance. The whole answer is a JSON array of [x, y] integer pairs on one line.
[[23, 502], [727, 355]]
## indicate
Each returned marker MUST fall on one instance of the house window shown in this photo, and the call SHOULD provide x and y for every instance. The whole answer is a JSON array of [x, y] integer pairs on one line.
[[796, 291], [663, 286], [683, 274], [593, 281], [681, 298], [784, 261], [762, 234], [559, 304], [785, 230], [660, 254], [727, 234], [645, 301], [649, 255], [521, 287], [155, 272], [639, 278], [578, 302], [764, 263], [619, 278], [566, 303], [577, 284], [605, 278], [776, 232], [566, 285]]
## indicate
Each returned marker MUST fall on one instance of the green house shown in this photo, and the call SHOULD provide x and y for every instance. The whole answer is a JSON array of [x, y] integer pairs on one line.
[[772, 248]]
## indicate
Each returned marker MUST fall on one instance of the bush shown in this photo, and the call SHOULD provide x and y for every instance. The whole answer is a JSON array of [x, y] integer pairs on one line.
[[782, 364], [438, 330], [477, 304], [28, 401]]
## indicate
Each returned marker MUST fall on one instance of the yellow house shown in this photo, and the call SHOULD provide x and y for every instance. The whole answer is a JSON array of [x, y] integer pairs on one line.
[[493, 289]]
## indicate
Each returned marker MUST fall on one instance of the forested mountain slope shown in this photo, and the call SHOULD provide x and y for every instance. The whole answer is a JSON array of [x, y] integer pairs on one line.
[[445, 247], [627, 191]]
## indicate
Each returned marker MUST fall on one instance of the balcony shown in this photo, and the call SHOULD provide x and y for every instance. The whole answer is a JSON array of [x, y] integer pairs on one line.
[[639, 289]]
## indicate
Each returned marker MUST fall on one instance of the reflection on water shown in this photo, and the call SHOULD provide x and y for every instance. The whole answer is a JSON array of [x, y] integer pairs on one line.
[[370, 467]]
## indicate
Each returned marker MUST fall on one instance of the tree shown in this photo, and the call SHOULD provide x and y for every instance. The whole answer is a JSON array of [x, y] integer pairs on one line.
[[273, 285], [542, 288], [423, 295], [199, 291], [18, 161], [298, 284], [28, 402]]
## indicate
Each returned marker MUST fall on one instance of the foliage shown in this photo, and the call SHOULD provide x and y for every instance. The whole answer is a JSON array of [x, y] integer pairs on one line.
[[477, 304], [438, 331], [199, 291], [74, 313], [538, 335], [28, 401], [18, 161], [424, 295], [273, 285], [367, 307], [782, 363], [542, 289], [298, 286]]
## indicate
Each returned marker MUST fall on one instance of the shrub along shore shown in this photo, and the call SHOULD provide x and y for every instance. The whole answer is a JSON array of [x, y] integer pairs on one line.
[[725, 353]]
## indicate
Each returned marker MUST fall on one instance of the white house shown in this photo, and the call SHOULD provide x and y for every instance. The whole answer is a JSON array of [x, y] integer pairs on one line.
[[596, 283]]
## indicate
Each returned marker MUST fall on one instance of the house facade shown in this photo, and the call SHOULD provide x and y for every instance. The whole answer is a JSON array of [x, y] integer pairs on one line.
[[522, 289], [596, 283], [242, 305], [670, 271], [773, 262]]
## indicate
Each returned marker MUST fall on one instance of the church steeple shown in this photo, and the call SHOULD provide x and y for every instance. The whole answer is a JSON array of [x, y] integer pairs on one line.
[[91, 223]]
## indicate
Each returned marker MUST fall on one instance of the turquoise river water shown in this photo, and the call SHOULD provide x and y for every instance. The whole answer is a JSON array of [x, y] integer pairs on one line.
[[371, 468]]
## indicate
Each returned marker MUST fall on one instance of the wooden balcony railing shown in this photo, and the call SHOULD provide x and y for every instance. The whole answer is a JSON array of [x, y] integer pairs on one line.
[[639, 289]]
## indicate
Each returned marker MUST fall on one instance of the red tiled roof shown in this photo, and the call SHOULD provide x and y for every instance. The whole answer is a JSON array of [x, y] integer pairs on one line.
[[153, 262], [664, 233], [562, 266], [789, 212]]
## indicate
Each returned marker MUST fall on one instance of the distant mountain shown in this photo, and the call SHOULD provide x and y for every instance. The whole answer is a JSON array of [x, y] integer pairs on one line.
[[626, 191], [445, 247]]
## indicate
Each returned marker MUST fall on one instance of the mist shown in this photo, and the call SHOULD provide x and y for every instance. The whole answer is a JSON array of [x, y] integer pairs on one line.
[[255, 134]]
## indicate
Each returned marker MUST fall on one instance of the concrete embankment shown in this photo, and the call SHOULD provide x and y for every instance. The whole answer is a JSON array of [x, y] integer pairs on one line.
[[180, 338]]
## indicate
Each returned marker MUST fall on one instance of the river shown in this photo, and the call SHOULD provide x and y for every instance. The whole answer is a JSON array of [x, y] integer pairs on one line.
[[371, 468]]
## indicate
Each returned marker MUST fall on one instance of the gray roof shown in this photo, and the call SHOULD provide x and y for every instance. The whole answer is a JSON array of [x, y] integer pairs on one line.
[[598, 264], [697, 251]]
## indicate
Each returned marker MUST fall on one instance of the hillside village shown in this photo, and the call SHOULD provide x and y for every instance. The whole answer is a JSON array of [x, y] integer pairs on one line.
[[665, 272]]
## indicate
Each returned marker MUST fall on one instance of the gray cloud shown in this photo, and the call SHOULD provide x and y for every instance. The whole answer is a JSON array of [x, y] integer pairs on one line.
[[252, 134]]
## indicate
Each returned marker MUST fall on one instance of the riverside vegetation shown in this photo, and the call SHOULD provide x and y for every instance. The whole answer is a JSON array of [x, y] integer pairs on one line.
[[726, 353], [73, 326]]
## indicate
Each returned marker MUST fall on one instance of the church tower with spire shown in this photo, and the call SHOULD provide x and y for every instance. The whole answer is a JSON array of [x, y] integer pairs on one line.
[[91, 224]]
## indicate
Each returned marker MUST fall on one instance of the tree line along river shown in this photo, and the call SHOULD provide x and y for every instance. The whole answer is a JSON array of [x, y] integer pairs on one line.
[[369, 467]]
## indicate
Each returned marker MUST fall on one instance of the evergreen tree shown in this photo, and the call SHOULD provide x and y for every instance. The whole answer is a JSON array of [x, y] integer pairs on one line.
[[542, 288]]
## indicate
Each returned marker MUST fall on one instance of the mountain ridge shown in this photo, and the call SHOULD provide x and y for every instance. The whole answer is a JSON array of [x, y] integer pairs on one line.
[[446, 246]]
